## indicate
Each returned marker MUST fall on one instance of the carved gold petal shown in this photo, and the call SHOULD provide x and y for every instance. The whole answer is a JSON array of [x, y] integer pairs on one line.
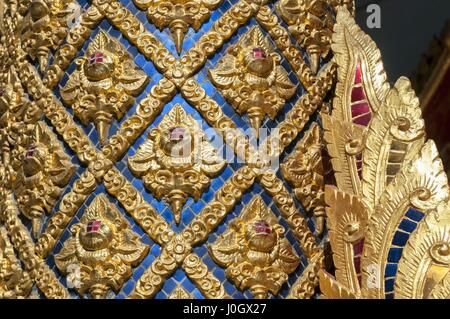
[[352, 47], [395, 135], [423, 271], [345, 143], [347, 220], [422, 184]]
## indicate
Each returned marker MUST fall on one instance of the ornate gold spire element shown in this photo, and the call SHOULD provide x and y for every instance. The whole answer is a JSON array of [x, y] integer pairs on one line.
[[251, 78], [176, 162], [104, 85], [389, 220], [178, 15], [304, 170], [102, 250], [255, 252]]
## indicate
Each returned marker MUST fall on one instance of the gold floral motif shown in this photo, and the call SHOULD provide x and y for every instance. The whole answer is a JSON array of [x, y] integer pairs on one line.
[[176, 161], [104, 85], [45, 170], [251, 78], [14, 282], [254, 251], [304, 170], [178, 15], [45, 26], [102, 249]]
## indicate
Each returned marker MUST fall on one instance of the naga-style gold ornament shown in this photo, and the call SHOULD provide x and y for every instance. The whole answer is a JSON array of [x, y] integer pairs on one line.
[[101, 251], [255, 252], [44, 27], [104, 85], [178, 15], [14, 282], [176, 161], [389, 217], [251, 78], [304, 170], [45, 170]]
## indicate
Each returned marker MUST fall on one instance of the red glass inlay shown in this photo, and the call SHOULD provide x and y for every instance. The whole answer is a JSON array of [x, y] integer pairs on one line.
[[93, 226], [358, 75], [357, 252], [261, 227], [361, 112], [259, 53], [97, 57]]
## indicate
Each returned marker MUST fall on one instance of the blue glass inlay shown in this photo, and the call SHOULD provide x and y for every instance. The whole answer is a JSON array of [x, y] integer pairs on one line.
[[415, 214], [390, 270], [389, 285], [394, 255], [407, 225], [400, 239]]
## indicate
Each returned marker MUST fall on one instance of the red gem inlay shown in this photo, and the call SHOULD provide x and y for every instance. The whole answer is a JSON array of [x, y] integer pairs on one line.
[[259, 53], [97, 57], [261, 227], [93, 226]]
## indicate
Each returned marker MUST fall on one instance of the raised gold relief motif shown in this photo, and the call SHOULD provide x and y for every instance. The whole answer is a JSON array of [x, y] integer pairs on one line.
[[44, 27], [304, 170], [389, 219], [179, 293], [251, 78], [18, 116], [14, 282], [255, 252], [101, 251], [45, 170], [176, 161], [178, 15], [311, 23], [104, 85]]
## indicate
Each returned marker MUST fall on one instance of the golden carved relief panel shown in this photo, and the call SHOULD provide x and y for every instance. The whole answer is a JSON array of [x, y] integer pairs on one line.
[[152, 87]]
